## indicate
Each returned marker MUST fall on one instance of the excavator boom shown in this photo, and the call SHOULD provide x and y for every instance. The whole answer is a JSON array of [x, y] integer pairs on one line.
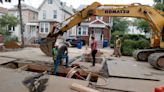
[[153, 16]]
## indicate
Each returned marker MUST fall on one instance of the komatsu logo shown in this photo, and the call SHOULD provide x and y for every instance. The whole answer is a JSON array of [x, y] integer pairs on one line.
[[116, 11]]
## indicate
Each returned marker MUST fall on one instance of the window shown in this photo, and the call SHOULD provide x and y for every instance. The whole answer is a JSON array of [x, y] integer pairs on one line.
[[11, 29], [79, 31], [33, 16], [99, 17], [44, 27], [55, 14], [44, 14], [83, 31], [16, 14], [50, 1]]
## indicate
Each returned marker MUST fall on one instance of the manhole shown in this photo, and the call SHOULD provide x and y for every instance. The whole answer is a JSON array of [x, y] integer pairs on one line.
[[40, 67]]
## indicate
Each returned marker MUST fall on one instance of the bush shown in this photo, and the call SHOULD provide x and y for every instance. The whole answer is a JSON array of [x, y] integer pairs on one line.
[[10, 38], [128, 46], [133, 37]]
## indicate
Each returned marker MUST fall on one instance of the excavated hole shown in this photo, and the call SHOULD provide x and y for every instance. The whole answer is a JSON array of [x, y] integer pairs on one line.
[[89, 60], [40, 67]]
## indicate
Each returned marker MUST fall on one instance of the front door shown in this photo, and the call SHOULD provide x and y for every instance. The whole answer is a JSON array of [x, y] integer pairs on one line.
[[97, 33]]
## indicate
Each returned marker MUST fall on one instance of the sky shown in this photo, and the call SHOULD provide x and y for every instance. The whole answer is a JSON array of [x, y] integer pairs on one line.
[[77, 3]]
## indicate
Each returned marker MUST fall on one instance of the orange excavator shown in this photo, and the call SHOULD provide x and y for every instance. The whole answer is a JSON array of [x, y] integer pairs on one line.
[[155, 56]]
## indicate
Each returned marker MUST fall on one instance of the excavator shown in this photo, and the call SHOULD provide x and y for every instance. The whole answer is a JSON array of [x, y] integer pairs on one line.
[[155, 55]]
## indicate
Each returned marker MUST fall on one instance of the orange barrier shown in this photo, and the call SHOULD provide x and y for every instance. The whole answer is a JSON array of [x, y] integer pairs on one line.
[[159, 89]]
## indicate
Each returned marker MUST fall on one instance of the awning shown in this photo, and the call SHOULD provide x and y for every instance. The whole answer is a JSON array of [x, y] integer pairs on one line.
[[97, 25], [32, 24]]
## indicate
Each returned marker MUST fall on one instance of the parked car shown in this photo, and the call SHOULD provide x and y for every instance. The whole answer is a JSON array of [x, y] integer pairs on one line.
[[75, 40]]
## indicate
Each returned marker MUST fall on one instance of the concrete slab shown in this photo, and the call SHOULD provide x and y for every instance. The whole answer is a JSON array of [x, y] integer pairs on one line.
[[5, 60], [130, 85], [11, 81], [130, 70], [61, 84]]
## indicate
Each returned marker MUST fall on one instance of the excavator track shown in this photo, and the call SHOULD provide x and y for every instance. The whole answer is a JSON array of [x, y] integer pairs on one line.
[[157, 60], [46, 46], [142, 55]]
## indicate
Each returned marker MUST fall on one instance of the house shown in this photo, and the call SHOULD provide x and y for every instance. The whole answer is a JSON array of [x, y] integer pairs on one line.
[[3, 11], [29, 18], [97, 26], [53, 13], [134, 30]]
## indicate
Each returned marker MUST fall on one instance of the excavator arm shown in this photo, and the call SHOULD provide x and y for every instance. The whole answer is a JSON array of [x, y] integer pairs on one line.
[[154, 17]]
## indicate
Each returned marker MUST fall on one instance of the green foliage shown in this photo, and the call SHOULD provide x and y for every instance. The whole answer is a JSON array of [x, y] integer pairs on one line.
[[134, 37], [7, 21], [142, 25], [158, 5], [120, 24], [129, 45], [10, 38]]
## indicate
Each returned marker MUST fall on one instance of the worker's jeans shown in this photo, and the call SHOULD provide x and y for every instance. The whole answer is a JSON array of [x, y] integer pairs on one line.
[[94, 57], [58, 60]]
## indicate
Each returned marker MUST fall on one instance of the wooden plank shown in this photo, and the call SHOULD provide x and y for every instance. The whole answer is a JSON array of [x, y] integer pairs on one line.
[[81, 88], [61, 84], [130, 85], [25, 67], [132, 70]]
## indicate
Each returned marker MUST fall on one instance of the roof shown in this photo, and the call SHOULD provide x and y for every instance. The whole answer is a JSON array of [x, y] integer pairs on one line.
[[61, 5], [24, 7], [3, 10]]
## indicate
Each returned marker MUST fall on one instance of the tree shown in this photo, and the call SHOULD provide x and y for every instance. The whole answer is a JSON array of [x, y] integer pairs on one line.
[[142, 25], [159, 5], [7, 21], [119, 24]]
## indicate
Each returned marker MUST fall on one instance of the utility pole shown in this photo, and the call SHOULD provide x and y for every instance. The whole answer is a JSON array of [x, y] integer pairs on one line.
[[21, 23]]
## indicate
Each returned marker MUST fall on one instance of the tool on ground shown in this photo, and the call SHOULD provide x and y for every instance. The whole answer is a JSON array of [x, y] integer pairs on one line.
[[37, 82], [81, 88]]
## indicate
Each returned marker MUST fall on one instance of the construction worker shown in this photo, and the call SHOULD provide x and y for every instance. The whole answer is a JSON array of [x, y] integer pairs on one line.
[[93, 50], [60, 51], [117, 51]]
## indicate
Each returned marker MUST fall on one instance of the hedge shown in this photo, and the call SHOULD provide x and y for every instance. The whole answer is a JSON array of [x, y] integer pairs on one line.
[[128, 46]]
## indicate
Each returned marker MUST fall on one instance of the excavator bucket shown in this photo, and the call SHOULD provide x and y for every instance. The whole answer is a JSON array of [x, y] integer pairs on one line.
[[46, 46], [47, 43]]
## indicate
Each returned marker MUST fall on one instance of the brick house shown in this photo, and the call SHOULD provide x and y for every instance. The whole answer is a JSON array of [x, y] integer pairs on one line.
[[99, 26]]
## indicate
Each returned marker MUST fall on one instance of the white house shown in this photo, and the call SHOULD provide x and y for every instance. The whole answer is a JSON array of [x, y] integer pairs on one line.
[[134, 30], [51, 13], [29, 18]]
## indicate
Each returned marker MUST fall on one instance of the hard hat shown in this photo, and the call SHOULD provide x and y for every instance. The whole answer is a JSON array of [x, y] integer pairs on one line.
[[117, 35]]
